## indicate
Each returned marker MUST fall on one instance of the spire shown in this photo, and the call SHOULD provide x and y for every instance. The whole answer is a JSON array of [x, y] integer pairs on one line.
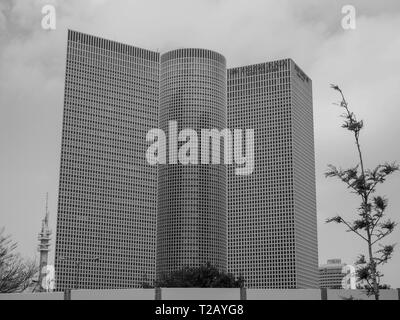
[[46, 218], [44, 238], [44, 235]]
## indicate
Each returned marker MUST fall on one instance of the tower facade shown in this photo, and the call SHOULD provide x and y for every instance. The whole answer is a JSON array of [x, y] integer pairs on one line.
[[121, 221], [106, 220], [192, 220], [272, 235]]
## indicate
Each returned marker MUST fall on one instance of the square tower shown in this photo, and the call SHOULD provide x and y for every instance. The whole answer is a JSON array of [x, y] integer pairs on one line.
[[272, 223]]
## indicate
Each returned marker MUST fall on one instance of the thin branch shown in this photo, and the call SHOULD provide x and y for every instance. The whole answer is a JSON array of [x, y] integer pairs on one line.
[[352, 229], [381, 236]]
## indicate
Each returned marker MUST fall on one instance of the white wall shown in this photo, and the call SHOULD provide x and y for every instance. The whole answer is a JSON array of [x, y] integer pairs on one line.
[[283, 294], [116, 294], [33, 296], [200, 294], [341, 294]]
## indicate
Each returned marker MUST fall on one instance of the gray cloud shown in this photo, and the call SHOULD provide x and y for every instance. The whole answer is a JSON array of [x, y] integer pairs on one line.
[[365, 62]]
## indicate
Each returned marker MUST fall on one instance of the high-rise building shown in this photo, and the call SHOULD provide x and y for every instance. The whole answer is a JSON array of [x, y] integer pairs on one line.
[[113, 204], [272, 234], [337, 275], [192, 213], [106, 220]]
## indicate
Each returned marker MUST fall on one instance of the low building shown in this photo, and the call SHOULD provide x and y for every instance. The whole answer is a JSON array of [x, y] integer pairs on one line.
[[337, 275]]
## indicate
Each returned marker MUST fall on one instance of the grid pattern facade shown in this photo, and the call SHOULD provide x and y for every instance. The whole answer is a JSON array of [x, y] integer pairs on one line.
[[305, 208], [272, 234], [107, 191], [192, 213], [331, 275]]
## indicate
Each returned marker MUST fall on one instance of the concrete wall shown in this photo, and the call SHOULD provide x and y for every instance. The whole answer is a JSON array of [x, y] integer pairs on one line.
[[203, 294], [200, 294], [341, 294], [283, 294], [117, 294], [33, 296]]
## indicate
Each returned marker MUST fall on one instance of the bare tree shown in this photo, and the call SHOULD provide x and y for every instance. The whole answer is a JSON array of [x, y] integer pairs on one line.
[[370, 224], [15, 273]]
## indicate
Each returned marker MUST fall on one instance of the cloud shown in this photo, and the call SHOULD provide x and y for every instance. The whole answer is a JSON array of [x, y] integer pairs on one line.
[[365, 62]]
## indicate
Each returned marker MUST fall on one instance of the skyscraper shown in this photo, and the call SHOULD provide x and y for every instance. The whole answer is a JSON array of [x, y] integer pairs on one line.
[[122, 222], [106, 221], [192, 220], [272, 234]]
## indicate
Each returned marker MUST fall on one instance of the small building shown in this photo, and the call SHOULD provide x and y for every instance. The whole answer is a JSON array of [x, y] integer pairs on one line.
[[337, 275]]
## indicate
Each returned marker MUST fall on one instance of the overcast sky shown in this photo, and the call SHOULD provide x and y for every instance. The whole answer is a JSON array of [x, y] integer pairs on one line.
[[365, 62]]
